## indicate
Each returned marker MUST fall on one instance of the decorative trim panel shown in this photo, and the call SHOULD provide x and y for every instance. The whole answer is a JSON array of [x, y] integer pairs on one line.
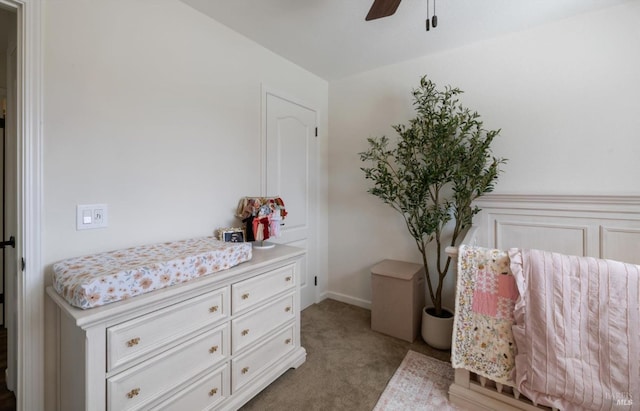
[[596, 226]]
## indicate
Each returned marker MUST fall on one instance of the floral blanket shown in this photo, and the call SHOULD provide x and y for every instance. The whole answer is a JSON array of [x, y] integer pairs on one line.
[[485, 298]]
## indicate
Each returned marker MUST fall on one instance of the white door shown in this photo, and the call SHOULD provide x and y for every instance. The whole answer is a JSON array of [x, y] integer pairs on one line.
[[291, 161]]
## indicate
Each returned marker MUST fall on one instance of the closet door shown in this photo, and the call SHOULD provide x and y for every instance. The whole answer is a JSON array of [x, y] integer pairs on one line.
[[291, 173]]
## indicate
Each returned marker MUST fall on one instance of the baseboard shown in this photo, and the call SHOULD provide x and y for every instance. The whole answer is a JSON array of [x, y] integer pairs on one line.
[[348, 299], [321, 297]]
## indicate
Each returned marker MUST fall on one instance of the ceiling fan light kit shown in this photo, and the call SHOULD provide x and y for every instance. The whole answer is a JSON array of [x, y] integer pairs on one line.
[[385, 8]]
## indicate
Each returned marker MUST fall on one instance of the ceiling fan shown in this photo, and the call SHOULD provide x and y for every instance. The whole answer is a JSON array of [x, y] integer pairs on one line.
[[382, 8], [385, 8]]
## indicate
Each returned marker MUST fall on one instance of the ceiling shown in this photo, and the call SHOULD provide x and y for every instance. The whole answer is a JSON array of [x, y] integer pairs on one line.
[[331, 38]]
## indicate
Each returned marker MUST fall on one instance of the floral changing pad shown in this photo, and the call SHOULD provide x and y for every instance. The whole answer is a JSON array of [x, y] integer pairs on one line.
[[104, 278]]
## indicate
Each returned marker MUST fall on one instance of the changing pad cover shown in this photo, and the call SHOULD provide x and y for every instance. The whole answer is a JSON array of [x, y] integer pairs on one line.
[[103, 278]]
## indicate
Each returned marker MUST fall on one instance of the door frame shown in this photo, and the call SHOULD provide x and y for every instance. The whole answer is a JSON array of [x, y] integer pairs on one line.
[[30, 280], [3, 95], [264, 91]]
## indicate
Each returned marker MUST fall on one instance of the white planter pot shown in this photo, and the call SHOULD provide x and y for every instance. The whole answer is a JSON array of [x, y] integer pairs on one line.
[[437, 331]]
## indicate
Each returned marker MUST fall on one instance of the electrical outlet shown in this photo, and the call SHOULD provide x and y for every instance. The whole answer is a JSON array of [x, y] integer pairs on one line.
[[89, 216]]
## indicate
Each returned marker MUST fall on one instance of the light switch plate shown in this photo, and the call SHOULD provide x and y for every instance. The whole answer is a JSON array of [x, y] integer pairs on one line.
[[89, 216]]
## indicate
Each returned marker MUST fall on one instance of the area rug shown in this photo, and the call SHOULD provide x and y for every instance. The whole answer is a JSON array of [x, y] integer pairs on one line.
[[419, 383]]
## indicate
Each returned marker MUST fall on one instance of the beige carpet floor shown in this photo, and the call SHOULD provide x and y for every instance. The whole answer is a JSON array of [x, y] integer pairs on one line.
[[348, 365]]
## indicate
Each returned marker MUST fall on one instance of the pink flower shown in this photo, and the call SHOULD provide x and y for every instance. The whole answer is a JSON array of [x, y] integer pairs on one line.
[[146, 283]]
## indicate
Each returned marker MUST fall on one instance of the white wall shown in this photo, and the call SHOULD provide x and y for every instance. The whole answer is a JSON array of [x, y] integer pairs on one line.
[[154, 109], [565, 96]]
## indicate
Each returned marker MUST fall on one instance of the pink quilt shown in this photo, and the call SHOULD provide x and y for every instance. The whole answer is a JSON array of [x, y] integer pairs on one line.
[[577, 331]]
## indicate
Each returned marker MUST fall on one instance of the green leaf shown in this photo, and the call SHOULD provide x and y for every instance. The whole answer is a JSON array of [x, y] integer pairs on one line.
[[440, 163]]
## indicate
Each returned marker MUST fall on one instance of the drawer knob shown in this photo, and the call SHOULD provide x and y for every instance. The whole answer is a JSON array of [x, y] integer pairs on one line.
[[213, 349], [287, 309], [132, 342], [288, 278], [213, 309], [287, 341], [245, 296], [245, 332], [213, 392], [245, 370], [133, 393]]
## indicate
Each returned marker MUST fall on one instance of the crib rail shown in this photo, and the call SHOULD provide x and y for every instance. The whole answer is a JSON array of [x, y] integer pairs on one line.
[[595, 226], [480, 393]]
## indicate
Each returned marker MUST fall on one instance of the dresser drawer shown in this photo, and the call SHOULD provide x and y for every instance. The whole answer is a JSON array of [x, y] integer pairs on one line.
[[251, 364], [136, 387], [250, 292], [152, 332], [204, 393], [257, 323]]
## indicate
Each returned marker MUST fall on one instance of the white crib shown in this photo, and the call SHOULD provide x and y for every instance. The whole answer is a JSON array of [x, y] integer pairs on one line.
[[597, 226]]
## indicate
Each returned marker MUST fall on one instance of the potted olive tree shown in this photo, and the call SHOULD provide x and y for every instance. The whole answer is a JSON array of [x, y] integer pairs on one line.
[[440, 163]]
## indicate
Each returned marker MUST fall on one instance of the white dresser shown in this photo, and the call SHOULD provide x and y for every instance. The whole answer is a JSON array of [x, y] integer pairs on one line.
[[210, 343]]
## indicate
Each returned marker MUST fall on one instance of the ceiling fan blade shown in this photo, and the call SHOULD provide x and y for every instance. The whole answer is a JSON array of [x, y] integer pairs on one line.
[[382, 8]]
